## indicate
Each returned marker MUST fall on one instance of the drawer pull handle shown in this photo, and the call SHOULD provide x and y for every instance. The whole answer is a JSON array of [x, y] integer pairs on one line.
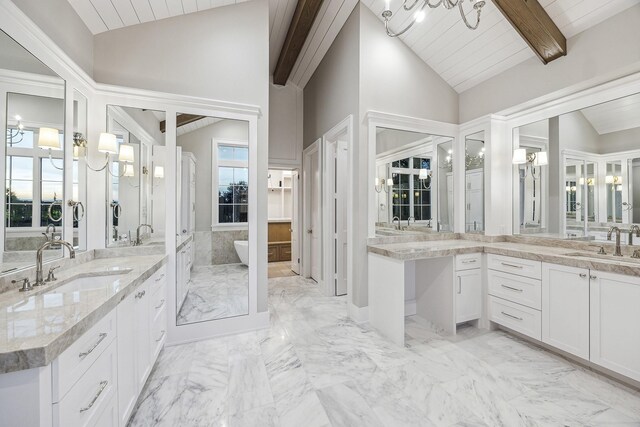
[[459, 285], [161, 304], [506, 264], [469, 261], [103, 385], [583, 275], [161, 336], [512, 316], [593, 277], [101, 338], [512, 288], [141, 294], [160, 278]]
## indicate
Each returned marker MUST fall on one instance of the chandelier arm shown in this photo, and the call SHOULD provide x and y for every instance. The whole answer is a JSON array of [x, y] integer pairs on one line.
[[408, 8], [433, 6], [464, 17], [392, 34]]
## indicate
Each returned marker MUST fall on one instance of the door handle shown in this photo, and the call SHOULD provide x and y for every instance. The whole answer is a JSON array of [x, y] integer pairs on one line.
[[309, 231]]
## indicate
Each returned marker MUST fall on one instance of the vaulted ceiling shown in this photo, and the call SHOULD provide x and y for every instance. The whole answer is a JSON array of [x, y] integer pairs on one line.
[[465, 58], [614, 116]]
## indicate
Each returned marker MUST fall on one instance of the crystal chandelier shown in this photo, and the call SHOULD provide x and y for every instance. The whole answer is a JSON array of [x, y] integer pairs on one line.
[[419, 6]]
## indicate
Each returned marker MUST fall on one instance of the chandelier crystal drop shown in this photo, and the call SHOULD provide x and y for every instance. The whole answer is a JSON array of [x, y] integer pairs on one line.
[[420, 5]]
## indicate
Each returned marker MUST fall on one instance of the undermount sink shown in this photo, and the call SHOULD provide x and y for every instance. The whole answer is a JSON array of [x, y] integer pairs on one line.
[[608, 257], [89, 282]]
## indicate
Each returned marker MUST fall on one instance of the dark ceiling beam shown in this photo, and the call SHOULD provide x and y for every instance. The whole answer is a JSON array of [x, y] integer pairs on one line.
[[303, 17], [181, 120], [535, 26]]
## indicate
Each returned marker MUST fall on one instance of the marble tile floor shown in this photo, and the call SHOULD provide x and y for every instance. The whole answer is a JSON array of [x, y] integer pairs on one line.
[[315, 367], [280, 269], [216, 292]]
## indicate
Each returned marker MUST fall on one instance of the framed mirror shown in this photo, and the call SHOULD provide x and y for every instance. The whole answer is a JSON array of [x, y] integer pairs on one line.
[[34, 153], [213, 164], [474, 182], [445, 183], [135, 181], [590, 162], [405, 182]]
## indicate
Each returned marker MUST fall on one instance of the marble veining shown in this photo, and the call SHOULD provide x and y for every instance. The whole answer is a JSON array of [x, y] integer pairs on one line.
[[37, 326], [315, 367]]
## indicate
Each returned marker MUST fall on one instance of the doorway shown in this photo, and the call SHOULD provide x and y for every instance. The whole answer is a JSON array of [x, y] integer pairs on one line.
[[282, 198], [312, 208]]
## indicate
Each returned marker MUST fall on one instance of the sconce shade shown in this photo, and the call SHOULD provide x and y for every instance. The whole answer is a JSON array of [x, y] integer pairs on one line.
[[542, 159], [608, 179], [129, 171], [48, 138], [377, 182], [519, 156], [424, 174], [126, 153], [158, 172], [108, 143]]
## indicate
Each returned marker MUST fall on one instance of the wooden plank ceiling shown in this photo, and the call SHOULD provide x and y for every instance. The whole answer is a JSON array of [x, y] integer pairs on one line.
[[465, 58]]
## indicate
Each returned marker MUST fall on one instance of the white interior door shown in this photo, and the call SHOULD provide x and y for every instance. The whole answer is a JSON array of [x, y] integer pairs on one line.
[[340, 215], [315, 227], [295, 245]]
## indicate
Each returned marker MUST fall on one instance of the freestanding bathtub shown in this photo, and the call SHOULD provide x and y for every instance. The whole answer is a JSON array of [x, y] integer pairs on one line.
[[242, 249]]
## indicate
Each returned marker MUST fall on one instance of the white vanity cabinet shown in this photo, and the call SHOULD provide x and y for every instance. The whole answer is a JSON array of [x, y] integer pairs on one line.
[[615, 322], [468, 287], [565, 308]]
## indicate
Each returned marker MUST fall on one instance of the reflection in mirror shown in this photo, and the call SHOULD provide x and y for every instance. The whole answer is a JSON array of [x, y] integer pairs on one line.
[[591, 157], [474, 184], [213, 163], [79, 175], [404, 182], [33, 156], [445, 186], [134, 181]]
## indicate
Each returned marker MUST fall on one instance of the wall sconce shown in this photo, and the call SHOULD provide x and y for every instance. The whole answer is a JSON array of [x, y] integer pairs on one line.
[[19, 131], [158, 172], [425, 178], [48, 139], [615, 180], [380, 184], [145, 170], [533, 160], [108, 144]]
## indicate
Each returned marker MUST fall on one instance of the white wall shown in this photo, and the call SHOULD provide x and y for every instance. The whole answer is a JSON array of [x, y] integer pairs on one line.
[[576, 133], [619, 141], [61, 23], [604, 52], [221, 54], [199, 143], [286, 117]]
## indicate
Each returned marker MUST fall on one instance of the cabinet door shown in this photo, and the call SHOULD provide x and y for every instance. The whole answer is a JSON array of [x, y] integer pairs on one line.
[[127, 379], [615, 323], [565, 308], [142, 327], [469, 295]]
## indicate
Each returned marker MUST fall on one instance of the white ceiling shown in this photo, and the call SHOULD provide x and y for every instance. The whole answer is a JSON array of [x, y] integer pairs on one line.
[[198, 124], [465, 58], [105, 15], [614, 116]]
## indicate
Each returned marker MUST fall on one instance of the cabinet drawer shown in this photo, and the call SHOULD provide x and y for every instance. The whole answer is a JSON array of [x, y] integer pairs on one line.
[[521, 290], [514, 316], [91, 395], [285, 253], [519, 266], [468, 261], [273, 253], [76, 360], [158, 302], [158, 334], [158, 280]]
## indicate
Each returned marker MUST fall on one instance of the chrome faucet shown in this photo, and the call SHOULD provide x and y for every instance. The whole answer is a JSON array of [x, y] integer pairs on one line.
[[409, 221], [395, 218], [45, 245], [633, 228], [618, 251], [138, 241], [50, 226]]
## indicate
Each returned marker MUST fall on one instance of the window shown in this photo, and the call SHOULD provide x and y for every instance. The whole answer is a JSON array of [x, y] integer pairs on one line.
[[409, 197], [232, 178], [32, 182]]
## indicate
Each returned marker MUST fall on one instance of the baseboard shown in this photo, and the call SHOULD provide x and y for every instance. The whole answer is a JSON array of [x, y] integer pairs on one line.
[[410, 308], [358, 314]]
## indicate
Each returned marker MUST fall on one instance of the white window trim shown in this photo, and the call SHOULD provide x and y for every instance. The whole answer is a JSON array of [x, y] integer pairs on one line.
[[410, 171], [215, 142], [37, 154]]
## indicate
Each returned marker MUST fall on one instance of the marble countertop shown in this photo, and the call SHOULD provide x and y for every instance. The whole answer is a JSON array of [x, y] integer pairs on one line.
[[182, 241], [573, 257], [37, 326]]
